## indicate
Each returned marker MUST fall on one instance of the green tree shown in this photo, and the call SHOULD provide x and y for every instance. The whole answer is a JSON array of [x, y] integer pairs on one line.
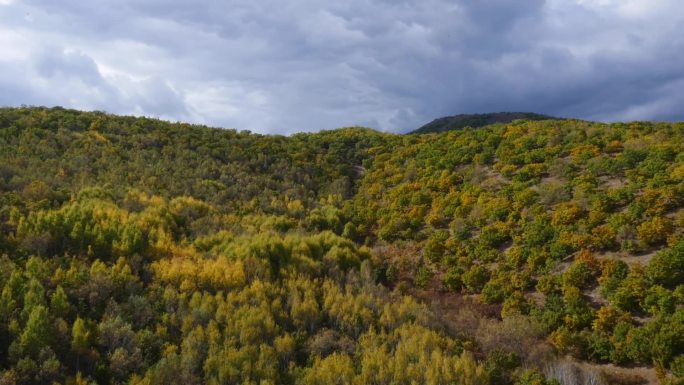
[[59, 303], [81, 339], [667, 267], [38, 333]]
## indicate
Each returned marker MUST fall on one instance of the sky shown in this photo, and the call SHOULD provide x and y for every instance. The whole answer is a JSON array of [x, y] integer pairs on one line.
[[274, 66]]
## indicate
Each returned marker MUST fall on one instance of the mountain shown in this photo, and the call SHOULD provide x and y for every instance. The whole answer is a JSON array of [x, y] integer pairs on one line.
[[138, 251], [457, 122]]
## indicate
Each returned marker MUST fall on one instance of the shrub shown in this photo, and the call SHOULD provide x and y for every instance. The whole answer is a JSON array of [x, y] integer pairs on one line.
[[423, 277], [654, 231], [667, 267], [475, 278]]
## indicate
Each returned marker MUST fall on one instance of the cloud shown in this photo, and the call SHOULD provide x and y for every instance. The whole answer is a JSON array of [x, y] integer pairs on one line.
[[284, 67]]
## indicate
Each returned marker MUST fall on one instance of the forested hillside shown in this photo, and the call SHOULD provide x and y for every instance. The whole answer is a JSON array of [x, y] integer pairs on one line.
[[458, 122], [144, 252]]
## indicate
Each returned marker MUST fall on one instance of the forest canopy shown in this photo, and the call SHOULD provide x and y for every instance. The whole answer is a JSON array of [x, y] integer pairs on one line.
[[138, 251]]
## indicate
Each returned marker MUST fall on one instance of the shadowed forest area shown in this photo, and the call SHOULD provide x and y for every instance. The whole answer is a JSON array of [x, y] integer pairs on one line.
[[138, 251]]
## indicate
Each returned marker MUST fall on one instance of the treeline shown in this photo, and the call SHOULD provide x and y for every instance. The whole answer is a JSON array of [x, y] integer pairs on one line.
[[140, 251]]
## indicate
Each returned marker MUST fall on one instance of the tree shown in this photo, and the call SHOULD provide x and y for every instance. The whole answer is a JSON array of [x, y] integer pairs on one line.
[[38, 332], [475, 278], [654, 231], [59, 303], [336, 369], [81, 339], [667, 267]]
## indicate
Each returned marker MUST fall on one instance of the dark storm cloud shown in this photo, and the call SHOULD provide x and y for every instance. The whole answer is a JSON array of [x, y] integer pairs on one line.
[[305, 65]]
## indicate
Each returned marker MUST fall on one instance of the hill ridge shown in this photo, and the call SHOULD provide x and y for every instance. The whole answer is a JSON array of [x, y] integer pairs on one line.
[[460, 121]]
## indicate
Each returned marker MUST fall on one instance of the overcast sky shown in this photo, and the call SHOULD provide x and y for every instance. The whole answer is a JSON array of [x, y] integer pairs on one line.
[[275, 66]]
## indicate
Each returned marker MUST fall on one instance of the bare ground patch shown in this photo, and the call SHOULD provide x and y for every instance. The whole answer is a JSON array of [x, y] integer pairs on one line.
[[643, 258]]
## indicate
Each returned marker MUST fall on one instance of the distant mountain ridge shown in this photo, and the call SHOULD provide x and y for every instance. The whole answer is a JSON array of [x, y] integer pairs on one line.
[[457, 122]]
